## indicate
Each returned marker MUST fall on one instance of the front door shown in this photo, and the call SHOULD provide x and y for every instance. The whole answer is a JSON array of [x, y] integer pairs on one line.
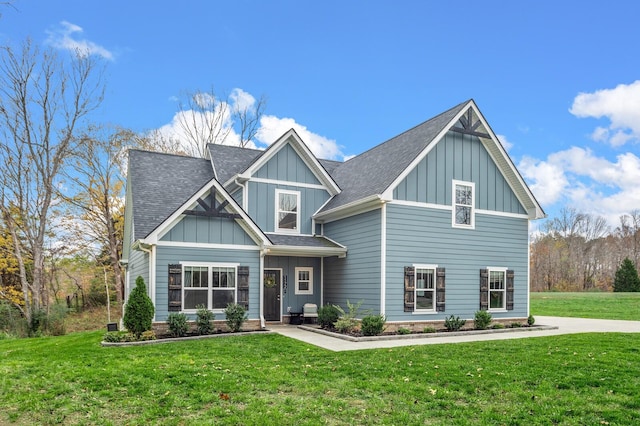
[[272, 280]]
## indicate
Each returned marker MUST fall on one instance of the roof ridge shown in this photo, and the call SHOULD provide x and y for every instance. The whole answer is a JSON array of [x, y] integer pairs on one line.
[[171, 154]]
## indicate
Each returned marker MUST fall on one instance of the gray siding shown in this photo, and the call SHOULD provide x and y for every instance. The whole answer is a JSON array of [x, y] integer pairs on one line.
[[288, 265], [422, 235], [262, 199], [460, 157], [138, 266], [287, 165], [166, 256], [211, 230], [356, 277]]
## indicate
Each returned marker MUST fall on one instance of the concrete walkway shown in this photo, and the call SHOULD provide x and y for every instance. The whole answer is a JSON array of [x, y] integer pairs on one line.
[[555, 326]]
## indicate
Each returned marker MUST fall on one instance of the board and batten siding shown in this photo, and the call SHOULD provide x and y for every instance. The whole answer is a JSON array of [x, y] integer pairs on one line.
[[460, 157], [262, 204], [356, 277], [420, 235], [288, 265], [286, 165], [208, 230], [167, 255]]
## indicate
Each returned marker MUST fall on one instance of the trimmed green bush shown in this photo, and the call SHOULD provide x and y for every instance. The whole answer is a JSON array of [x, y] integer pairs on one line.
[[429, 329], [404, 330], [138, 312], [235, 316], [177, 322], [327, 316], [482, 320], [372, 325], [531, 320], [454, 323], [204, 320]]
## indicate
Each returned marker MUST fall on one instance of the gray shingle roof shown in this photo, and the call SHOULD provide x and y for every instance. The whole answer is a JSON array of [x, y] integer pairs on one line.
[[162, 183], [231, 160], [301, 241], [372, 172]]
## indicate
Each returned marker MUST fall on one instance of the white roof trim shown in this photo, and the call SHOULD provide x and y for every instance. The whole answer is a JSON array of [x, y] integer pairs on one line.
[[303, 151], [246, 223]]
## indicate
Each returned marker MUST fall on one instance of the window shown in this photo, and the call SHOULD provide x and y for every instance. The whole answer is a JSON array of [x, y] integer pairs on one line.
[[463, 204], [304, 280], [213, 286], [425, 289], [497, 289], [287, 211]]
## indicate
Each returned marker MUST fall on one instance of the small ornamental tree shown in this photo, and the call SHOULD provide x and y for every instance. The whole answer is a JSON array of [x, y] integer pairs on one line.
[[626, 278], [138, 312]]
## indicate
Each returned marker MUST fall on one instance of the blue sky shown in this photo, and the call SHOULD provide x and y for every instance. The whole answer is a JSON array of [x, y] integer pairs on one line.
[[558, 81]]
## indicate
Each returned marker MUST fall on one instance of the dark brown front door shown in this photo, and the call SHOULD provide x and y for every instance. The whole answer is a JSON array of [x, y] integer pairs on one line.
[[271, 294]]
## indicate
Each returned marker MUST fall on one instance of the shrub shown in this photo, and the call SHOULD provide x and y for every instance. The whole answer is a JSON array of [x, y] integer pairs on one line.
[[204, 320], [177, 322], [429, 329], [12, 322], [454, 323], [236, 316], [404, 330], [55, 320], [347, 321], [497, 326], [148, 335], [118, 336], [372, 325], [38, 323], [138, 312], [482, 320], [515, 325], [531, 320], [327, 316]]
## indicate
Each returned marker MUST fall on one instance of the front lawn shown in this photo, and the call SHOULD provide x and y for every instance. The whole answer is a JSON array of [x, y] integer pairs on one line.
[[270, 379], [620, 306]]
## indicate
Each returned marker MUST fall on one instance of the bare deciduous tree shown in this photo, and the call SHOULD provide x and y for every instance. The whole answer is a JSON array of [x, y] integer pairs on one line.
[[43, 99]]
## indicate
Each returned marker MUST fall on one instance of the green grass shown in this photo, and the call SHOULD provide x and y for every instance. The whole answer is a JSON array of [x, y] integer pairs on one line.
[[620, 306], [269, 379]]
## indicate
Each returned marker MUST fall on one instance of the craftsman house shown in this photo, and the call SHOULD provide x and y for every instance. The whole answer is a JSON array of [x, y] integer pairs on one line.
[[431, 223]]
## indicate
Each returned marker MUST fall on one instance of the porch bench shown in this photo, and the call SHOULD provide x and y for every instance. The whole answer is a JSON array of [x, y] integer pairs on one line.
[[310, 310]]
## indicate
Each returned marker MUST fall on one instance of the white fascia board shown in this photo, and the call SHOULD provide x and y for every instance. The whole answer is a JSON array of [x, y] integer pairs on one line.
[[306, 251], [303, 151], [356, 207], [246, 223]]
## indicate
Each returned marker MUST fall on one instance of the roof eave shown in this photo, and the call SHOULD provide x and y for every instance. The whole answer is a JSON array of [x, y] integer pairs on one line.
[[362, 205]]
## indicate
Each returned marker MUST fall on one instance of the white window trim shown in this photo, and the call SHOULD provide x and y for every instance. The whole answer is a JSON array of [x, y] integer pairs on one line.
[[277, 212], [455, 183], [310, 271], [504, 290], [415, 288], [209, 289]]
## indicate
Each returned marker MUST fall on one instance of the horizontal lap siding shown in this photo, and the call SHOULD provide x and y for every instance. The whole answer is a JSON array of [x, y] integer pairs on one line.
[[357, 277], [166, 256], [425, 236], [138, 266]]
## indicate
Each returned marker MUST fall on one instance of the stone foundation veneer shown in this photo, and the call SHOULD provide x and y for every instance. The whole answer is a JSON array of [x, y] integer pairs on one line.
[[162, 327], [419, 326]]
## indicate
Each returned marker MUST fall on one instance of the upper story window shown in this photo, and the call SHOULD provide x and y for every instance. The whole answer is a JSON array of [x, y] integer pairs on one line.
[[287, 211], [463, 200]]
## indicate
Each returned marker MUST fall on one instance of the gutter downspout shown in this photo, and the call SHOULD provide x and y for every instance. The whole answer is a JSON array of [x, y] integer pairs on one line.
[[152, 294]]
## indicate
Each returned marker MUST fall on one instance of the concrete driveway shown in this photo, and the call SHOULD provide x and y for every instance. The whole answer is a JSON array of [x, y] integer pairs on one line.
[[554, 326]]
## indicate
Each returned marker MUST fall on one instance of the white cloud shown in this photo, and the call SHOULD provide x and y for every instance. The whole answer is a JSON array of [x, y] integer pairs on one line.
[[272, 127], [69, 37], [505, 143], [590, 183], [620, 105]]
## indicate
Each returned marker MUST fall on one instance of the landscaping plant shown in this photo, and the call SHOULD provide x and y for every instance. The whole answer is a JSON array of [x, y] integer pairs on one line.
[[373, 325], [235, 316], [347, 320], [327, 316], [204, 320], [138, 312], [454, 323], [482, 320], [177, 322]]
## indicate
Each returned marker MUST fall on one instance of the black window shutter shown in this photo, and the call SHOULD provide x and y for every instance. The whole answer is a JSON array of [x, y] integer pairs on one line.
[[175, 288], [243, 286], [409, 287], [510, 285], [440, 289], [484, 289]]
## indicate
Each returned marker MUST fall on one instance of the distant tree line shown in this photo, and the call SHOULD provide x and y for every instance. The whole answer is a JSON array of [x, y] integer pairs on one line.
[[580, 252]]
